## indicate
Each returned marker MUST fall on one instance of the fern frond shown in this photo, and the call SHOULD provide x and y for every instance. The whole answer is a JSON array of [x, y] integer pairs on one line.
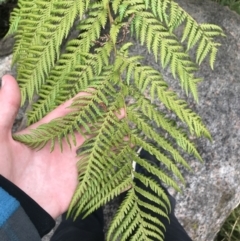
[[153, 185], [111, 172], [109, 195], [108, 126], [98, 63], [202, 33], [114, 31], [164, 43], [37, 20], [76, 71], [171, 101], [23, 9], [158, 39], [125, 210], [41, 56], [150, 111], [142, 124], [115, 5], [146, 76], [90, 27], [85, 110], [161, 157], [133, 214]]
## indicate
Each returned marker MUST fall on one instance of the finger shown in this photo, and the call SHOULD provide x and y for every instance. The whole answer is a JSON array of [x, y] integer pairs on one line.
[[10, 102]]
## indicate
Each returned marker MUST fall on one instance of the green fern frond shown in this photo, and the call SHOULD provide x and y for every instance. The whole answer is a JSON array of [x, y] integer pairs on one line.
[[108, 127], [83, 112], [130, 214], [42, 30], [179, 107], [76, 69], [109, 195], [203, 33], [37, 20], [99, 62], [146, 76], [115, 5], [114, 31], [142, 124], [161, 157], [150, 111], [112, 176], [158, 40], [24, 8], [127, 210]]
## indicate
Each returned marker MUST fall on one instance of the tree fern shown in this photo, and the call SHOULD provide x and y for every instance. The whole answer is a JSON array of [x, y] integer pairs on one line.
[[99, 62]]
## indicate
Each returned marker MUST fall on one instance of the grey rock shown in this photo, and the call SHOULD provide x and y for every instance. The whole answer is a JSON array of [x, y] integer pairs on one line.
[[5, 65], [6, 45]]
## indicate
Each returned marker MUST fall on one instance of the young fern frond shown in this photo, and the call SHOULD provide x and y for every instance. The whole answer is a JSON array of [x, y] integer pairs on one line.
[[99, 62]]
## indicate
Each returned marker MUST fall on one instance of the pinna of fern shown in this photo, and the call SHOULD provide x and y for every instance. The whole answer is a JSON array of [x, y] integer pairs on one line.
[[102, 64]]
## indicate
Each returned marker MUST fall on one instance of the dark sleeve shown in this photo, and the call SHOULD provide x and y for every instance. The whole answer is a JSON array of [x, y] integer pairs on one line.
[[37, 216]]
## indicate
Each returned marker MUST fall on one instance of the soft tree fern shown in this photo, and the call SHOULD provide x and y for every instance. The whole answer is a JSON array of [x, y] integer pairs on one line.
[[102, 64]]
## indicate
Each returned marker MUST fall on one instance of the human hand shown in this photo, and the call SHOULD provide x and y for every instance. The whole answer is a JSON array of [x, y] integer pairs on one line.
[[48, 178]]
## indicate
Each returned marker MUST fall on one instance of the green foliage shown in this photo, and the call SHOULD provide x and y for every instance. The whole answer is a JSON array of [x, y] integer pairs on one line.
[[230, 230], [102, 64]]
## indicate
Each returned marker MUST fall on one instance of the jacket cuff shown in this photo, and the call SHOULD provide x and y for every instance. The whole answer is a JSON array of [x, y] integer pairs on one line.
[[42, 221]]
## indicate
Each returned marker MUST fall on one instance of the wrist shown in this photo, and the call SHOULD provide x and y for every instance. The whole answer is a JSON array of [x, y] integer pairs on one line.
[[42, 221], [38, 196]]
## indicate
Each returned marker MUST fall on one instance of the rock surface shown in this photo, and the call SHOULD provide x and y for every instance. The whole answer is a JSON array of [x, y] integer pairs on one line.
[[213, 189], [5, 63], [6, 46]]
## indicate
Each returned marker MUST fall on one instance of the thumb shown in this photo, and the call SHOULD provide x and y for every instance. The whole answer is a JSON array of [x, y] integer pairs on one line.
[[9, 103]]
